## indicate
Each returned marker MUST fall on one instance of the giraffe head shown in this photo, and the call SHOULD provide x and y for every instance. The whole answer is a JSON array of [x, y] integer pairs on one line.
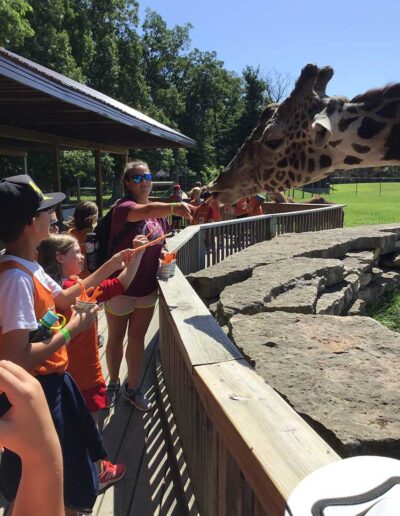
[[310, 135]]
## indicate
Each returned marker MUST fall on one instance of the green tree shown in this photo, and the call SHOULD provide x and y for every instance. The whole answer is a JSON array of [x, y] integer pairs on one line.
[[14, 23]]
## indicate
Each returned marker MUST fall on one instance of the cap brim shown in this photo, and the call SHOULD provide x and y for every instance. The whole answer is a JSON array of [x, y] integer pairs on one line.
[[51, 199]]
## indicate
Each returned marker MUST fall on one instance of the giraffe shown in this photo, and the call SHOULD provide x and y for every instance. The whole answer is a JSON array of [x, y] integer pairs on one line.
[[310, 135]]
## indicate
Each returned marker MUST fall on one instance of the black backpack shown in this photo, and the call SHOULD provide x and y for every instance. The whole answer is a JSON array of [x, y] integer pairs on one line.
[[101, 249]]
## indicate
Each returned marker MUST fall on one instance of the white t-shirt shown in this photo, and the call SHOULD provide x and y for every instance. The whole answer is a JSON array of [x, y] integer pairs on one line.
[[17, 310]]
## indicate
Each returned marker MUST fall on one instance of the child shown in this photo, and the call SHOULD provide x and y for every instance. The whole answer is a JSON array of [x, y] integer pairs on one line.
[[61, 257], [83, 222], [26, 294], [205, 212], [176, 197]]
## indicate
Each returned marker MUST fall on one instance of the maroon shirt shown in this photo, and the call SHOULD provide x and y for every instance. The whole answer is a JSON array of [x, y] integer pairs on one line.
[[145, 280]]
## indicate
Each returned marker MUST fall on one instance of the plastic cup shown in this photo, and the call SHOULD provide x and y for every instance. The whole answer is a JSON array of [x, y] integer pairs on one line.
[[84, 306], [164, 271], [172, 268]]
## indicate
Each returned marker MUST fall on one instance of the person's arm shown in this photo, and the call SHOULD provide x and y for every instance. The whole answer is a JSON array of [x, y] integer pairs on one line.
[[127, 275], [28, 430], [159, 210], [117, 262], [18, 349]]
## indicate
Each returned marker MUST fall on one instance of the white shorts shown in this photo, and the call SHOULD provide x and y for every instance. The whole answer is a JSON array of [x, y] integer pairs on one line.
[[125, 305]]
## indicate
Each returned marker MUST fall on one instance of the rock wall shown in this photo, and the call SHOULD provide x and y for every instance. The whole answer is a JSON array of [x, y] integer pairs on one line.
[[282, 302]]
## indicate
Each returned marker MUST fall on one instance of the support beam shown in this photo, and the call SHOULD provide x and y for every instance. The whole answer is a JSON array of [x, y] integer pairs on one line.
[[99, 181], [56, 174]]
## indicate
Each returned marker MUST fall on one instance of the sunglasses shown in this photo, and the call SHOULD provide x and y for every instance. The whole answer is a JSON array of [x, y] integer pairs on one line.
[[54, 224], [138, 178]]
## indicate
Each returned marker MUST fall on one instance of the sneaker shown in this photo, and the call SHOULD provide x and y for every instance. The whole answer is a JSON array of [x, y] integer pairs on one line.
[[112, 393], [111, 474], [137, 399]]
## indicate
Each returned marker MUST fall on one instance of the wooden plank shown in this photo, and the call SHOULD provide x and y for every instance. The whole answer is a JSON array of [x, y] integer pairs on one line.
[[202, 341], [273, 446], [125, 427]]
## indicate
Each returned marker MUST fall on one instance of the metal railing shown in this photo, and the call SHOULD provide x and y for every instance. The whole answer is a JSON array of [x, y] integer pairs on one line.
[[245, 448]]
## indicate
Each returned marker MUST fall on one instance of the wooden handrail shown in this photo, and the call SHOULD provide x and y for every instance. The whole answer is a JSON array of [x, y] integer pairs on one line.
[[245, 447]]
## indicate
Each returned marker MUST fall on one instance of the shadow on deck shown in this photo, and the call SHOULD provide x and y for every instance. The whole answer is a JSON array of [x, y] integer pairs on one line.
[[156, 480]]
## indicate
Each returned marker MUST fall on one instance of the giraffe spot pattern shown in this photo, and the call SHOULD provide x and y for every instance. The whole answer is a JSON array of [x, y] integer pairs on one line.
[[392, 142], [292, 176], [273, 144], [335, 143], [352, 160], [282, 163], [345, 123], [389, 110], [311, 165], [280, 176], [369, 128], [361, 149], [353, 110], [325, 161], [302, 160]]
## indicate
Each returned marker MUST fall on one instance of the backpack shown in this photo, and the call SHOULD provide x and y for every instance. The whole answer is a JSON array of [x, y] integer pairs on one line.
[[98, 245]]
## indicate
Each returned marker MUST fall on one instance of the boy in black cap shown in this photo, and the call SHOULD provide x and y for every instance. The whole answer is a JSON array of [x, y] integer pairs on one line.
[[26, 294]]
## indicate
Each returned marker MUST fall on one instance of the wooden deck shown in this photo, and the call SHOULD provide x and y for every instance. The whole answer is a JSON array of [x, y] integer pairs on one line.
[[142, 441]]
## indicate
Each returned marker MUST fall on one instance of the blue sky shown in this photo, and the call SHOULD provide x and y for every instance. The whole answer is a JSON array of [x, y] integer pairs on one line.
[[360, 39]]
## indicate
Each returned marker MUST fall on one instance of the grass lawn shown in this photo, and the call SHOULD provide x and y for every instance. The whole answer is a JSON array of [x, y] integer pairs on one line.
[[366, 205]]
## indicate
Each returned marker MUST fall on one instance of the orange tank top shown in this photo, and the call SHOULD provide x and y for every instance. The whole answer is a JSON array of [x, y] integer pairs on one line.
[[43, 301]]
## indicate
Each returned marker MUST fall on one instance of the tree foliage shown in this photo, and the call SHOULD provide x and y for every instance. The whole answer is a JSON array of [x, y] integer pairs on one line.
[[151, 67]]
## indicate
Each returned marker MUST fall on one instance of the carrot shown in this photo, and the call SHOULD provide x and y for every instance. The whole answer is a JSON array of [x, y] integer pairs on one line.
[[83, 296], [151, 232], [97, 292], [153, 242]]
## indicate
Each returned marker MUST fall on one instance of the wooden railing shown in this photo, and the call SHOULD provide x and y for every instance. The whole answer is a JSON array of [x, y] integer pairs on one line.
[[207, 244], [245, 448]]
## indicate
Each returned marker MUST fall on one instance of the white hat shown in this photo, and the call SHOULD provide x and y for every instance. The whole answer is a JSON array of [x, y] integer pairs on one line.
[[365, 485]]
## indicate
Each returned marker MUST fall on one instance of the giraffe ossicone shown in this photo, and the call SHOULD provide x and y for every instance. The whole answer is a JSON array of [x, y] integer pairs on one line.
[[311, 135]]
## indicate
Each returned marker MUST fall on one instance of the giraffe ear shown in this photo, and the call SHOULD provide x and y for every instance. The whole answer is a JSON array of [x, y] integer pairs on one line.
[[322, 130]]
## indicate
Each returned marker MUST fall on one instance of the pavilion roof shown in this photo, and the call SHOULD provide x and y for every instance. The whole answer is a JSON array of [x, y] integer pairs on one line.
[[43, 107]]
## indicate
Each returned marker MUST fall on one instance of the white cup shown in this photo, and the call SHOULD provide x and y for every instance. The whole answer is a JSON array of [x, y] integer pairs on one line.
[[164, 271], [83, 306], [172, 269]]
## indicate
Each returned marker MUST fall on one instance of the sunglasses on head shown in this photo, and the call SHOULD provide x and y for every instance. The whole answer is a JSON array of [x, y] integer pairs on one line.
[[138, 178]]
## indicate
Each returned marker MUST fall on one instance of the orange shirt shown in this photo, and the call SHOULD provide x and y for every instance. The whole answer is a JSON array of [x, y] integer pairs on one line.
[[204, 214], [217, 210], [242, 207], [43, 301], [84, 360], [255, 208], [80, 235]]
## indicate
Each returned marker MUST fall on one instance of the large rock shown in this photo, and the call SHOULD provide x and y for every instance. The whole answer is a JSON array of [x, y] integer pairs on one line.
[[333, 243], [337, 299], [269, 281], [339, 373]]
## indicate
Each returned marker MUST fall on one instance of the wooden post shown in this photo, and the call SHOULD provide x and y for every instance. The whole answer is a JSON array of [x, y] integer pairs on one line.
[[78, 190], [99, 181], [55, 157]]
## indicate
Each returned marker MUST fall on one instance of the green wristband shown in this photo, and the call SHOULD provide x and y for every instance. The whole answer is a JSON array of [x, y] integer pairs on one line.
[[66, 334]]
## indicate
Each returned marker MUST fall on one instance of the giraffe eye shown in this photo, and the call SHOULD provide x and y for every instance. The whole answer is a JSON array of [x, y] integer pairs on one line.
[[274, 144]]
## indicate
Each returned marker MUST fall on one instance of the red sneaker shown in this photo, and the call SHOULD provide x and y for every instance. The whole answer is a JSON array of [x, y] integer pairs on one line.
[[111, 474]]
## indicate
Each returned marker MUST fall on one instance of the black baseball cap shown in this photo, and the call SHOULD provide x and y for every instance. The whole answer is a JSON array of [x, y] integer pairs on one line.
[[20, 195]]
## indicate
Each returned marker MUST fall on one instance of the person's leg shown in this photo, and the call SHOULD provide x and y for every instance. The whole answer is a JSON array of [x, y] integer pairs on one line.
[[139, 322], [114, 352]]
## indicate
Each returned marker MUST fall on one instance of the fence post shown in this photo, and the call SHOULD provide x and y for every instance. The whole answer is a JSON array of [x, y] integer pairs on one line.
[[270, 228], [201, 261]]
